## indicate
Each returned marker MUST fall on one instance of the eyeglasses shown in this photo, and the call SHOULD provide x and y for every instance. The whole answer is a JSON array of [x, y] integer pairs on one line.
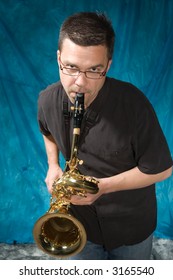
[[76, 72]]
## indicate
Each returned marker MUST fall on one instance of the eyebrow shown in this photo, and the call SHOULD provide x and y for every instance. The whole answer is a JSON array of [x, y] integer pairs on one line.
[[93, 66]]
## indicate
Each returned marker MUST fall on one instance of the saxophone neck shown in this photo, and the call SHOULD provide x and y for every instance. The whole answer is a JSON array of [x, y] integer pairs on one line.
[[73, 158]]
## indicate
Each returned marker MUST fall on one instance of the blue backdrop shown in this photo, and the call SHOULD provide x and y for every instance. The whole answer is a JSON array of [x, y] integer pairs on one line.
[[28, 43]]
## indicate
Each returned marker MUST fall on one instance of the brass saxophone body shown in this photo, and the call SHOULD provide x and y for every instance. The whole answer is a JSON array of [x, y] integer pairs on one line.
[[58, 233]]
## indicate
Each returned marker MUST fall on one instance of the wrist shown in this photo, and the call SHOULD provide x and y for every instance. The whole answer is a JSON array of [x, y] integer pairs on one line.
[[53, 164], [110, 184]]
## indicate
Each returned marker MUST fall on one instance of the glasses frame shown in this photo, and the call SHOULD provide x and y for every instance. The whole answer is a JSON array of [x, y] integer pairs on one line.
[[102, 74]]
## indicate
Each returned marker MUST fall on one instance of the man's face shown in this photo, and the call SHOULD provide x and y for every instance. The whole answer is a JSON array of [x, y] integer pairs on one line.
[[92, 58]]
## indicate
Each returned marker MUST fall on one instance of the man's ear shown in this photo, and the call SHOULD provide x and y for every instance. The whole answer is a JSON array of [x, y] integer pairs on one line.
[[58, 56], [109, 65]]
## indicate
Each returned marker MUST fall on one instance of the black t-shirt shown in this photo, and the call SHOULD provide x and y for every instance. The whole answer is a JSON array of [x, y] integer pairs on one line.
[[124, 133]]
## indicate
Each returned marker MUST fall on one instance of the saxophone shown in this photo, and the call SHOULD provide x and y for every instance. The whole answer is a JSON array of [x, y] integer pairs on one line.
[[58, 233]]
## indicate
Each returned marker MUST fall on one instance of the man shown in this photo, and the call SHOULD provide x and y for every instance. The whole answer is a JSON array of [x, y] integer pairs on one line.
[[123, 145]]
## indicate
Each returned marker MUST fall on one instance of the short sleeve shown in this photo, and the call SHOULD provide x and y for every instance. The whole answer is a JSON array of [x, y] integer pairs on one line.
[[41, 118], [150, 145]]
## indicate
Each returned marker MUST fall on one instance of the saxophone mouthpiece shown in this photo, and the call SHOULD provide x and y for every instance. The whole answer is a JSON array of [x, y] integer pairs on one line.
[[79, 99], [78, 110]]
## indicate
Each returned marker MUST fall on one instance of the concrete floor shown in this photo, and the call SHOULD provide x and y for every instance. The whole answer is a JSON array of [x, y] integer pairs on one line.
[[162, 250]]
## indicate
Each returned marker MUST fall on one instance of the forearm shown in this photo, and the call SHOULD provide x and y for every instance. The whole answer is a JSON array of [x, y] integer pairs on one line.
[[128, 180], [131, 179], [51, 150], [54, 170]]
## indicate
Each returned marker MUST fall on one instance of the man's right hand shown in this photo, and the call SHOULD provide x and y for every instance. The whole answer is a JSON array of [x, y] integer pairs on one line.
[[54, 172]]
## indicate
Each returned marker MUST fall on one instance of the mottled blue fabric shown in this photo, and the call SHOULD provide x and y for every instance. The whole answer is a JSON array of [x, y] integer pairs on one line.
[[28, 44]]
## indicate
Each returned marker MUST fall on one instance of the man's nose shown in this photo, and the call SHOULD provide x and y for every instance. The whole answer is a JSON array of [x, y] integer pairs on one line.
[[81, 79]]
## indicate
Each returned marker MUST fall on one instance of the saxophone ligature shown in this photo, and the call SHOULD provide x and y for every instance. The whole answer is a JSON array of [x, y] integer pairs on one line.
[[58, 233]]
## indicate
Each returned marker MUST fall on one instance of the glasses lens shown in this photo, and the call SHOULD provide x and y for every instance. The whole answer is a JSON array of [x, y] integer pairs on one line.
[[69, 71], [92, 75]]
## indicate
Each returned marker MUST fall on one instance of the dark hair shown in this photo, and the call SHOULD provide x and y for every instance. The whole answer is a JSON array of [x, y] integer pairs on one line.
[[88, 29]]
